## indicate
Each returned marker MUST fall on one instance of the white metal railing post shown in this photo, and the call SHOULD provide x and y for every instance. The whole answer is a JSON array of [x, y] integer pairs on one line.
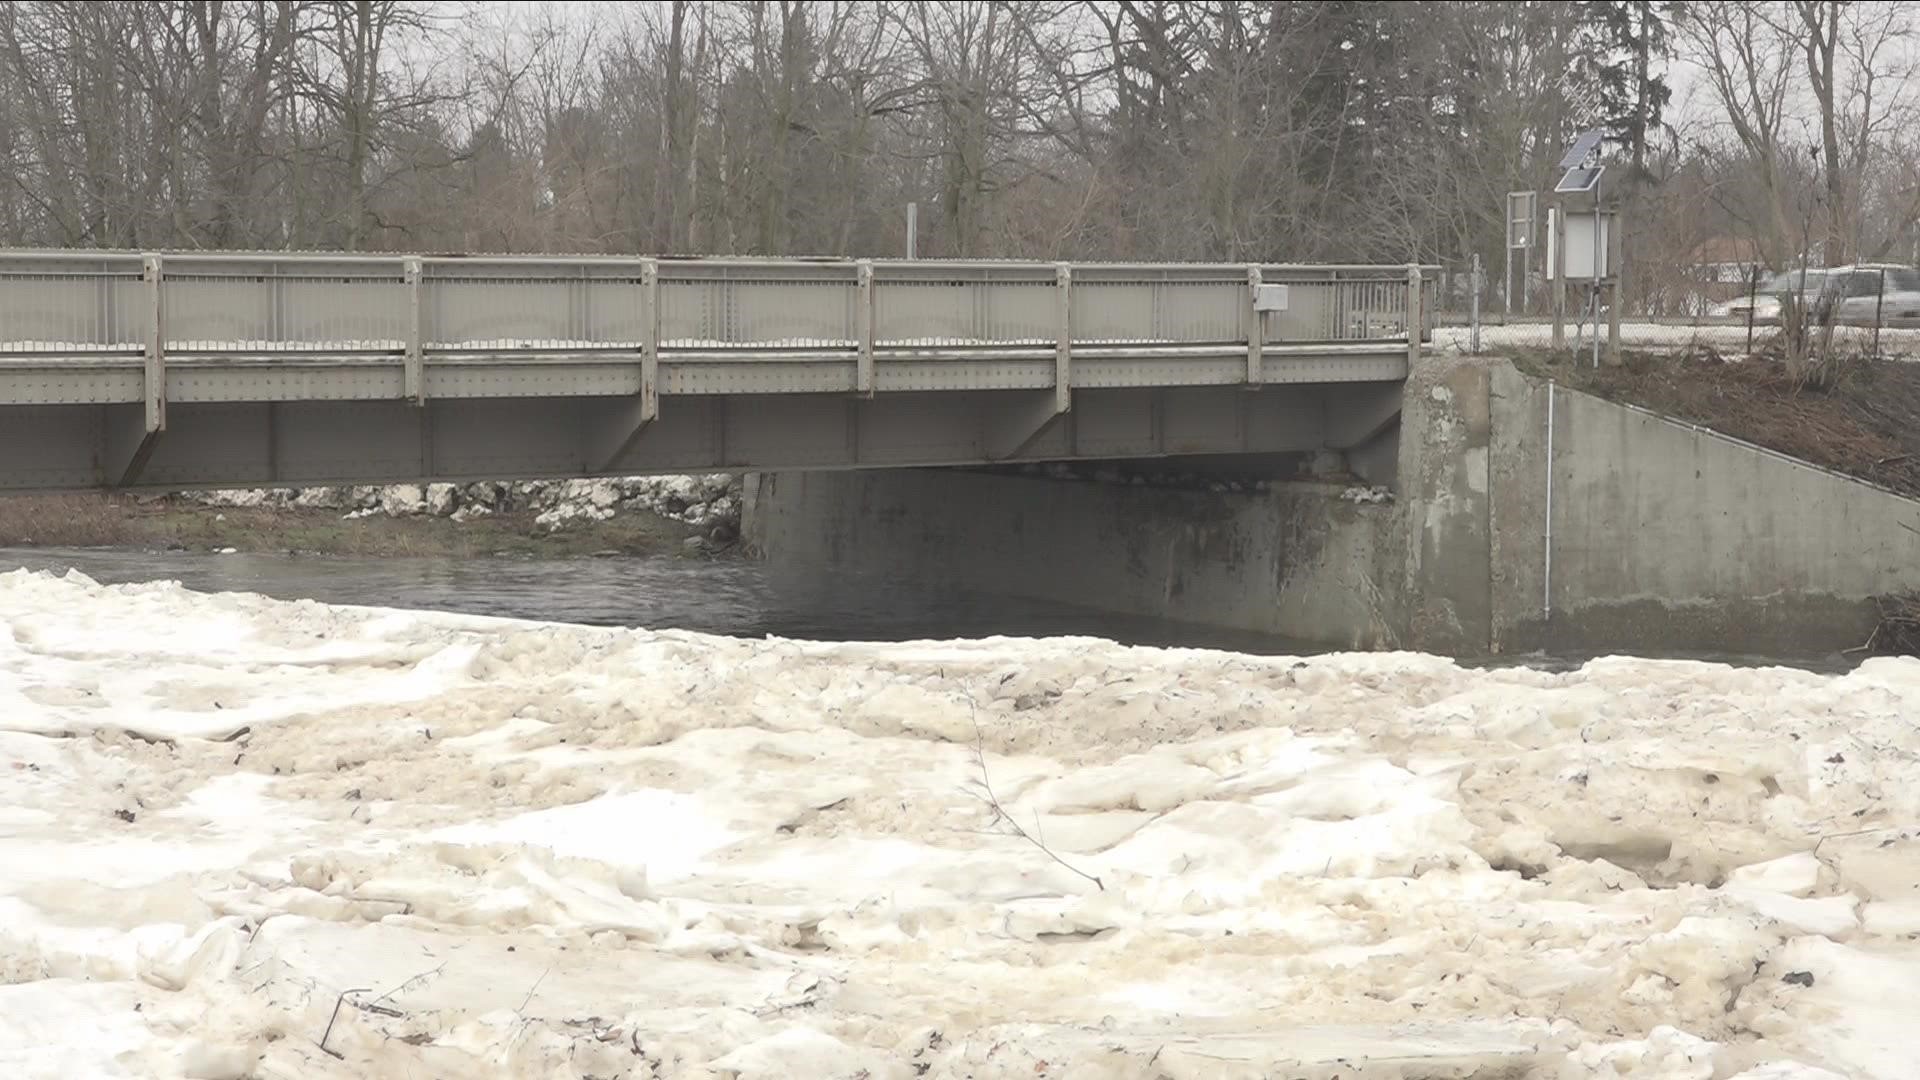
[[415, 380], [1256, 329], [863, 319], [1063, 346], [153, 274], [1414, 319], [649, 339]]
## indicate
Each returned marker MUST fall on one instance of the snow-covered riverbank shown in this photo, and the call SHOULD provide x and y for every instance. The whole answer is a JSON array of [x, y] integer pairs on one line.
[[234, 830], [704, 501]]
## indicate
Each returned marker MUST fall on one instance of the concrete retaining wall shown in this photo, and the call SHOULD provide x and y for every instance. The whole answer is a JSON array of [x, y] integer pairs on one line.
[[1298, 561], [1664, 537]]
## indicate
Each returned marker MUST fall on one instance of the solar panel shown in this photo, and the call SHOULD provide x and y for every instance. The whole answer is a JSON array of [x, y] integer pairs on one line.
[[1579, 179], [1582, 147]]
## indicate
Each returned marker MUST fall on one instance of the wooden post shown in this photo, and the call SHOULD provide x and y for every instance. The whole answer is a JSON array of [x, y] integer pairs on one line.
[[1558, 269]]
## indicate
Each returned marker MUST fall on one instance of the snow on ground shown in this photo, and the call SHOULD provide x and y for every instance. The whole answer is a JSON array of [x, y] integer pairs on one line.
[[1894, 343], [247, 838]]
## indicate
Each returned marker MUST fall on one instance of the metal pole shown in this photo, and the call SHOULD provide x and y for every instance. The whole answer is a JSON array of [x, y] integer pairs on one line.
[[1473, 338], [913, 230], [1753, 298], [1616, 264], [1599, 252], [1879, 309], [1559, 270], [1506, 282]]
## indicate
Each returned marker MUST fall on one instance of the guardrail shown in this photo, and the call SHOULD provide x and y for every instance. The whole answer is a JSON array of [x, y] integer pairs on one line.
[[247, 330], [83, 303]]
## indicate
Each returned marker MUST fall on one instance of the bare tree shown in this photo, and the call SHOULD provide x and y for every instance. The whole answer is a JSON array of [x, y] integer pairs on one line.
[[1183, 129], [1859, 69]]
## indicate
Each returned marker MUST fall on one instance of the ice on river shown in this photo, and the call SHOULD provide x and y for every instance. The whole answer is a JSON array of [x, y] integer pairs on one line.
[[247, 838]]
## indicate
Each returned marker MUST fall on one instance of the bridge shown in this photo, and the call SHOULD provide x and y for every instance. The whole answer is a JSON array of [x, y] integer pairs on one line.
[[183, 369]]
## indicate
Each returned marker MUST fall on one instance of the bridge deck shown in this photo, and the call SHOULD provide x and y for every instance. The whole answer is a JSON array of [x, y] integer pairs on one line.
[[101, 353]]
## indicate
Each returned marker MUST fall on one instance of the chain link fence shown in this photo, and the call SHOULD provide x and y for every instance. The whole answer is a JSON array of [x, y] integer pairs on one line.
[[1870, 310]]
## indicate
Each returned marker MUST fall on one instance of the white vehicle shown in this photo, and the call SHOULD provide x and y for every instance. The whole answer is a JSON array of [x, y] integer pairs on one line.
[[1838, 291], [1898, 305]]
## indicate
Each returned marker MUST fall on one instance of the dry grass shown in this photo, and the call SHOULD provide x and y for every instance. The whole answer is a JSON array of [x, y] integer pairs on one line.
[[82, 520], [104, 520]]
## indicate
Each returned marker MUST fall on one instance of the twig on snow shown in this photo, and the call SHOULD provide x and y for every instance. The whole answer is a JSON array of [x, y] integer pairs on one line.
[[1000, 812], [534, 987], [324, 1036], [411, 981]]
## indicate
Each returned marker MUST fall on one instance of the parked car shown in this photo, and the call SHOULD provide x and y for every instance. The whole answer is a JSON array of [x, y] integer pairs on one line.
[[1898, 304], [1764, 301], [1843, 293]]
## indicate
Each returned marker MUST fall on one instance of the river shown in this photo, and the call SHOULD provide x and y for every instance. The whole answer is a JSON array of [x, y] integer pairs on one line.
[[730, 597], [723, 596]]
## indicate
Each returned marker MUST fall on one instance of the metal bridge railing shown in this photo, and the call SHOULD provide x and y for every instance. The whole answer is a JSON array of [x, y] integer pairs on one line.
[[75, 304]]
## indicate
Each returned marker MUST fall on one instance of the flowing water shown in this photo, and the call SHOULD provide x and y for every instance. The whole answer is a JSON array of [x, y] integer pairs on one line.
[[730, 597], [740, 599]]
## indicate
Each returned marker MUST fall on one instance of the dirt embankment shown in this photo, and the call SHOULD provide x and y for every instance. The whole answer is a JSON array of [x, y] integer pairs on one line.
[[1863, 419]]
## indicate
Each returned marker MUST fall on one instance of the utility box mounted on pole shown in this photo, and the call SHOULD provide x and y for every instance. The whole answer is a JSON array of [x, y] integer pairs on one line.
[[1578, 244], [1580, 262]]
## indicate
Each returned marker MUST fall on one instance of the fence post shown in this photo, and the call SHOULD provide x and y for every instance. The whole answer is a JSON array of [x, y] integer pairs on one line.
[[1879, 311], [1473, 337], [416, 377], [153, 273], [1616, 264], [1506, 283], [1414, 320], [1753, 299]]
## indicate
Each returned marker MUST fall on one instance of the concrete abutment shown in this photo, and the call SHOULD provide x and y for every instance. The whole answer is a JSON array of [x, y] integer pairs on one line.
[[1664, 537]]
